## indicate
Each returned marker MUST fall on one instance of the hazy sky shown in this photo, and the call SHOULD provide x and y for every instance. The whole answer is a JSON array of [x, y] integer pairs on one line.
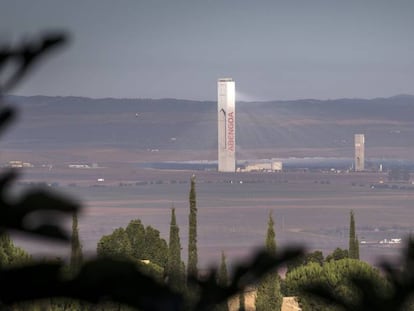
[[273, 49]]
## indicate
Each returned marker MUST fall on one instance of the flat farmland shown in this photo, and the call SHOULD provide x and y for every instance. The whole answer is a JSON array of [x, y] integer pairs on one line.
[[310, 209]]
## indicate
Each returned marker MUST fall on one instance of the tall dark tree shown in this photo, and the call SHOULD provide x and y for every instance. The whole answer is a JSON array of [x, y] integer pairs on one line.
[[269, 297], [357, 247], [222, 280], [75, 264], [271, 236], [353, 241], [76, 247], [192, 231], [174, 266]]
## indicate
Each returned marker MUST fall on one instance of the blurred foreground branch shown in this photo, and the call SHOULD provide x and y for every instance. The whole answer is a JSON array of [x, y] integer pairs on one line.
[[103, 280], [25, 56]]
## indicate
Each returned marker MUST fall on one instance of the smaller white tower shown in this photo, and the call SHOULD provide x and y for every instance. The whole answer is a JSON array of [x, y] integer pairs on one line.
[[359, 152]]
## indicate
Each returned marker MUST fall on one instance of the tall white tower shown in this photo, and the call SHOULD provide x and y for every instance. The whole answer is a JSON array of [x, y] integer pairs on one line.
[[226, 99], [359, 152]]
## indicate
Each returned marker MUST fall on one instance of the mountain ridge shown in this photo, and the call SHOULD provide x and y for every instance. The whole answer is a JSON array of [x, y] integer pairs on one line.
[[172, 124], [397, 96]]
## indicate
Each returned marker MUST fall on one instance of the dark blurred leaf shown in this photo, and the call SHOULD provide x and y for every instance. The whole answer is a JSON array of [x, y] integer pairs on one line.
[[7, 115], [38, 212], [123, 282], [98, 281], [212, 293], [324, 293], [30, 282], [6, 179], [26, 55]]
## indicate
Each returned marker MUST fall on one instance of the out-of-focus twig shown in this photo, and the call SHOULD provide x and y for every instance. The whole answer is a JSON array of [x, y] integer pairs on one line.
[[36, 212], [212, 293], [26, 55]]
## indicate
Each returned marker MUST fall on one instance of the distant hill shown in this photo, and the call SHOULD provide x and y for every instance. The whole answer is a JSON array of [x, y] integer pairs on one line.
[[174, 124]]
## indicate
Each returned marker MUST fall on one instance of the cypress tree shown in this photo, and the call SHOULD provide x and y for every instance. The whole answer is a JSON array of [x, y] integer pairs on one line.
[[356, 248], [174, 265], [271, 236], [192, 231], [353, 241], [269, 297], [76, 247], [75, 263], [222, 280]]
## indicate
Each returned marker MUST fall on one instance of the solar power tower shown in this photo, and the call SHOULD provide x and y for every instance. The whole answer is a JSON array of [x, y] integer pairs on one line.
[[226, 100]]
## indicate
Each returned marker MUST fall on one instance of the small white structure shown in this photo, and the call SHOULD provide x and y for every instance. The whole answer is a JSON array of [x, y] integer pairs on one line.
[[18, 164], [391, 241], [277, 166], [272, 166]]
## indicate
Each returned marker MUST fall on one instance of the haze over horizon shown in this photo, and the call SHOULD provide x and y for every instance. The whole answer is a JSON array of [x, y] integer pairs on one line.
[[243, 98], [274, 50]]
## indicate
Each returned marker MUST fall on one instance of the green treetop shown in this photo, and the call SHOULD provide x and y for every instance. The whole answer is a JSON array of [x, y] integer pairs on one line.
[[192, 231], [336, 274], [223, 280], [136, 235], [356, 248], [223, 277], [115, 245], [338, 254], [269, 297], [315, 256], [76, 247], [271, 236], [11, 255], [146, 243], [156, 247], [353, 241], [135, 242], [174, 266]]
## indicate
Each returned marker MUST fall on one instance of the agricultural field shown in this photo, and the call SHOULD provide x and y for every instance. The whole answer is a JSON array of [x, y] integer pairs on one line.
[[310, 208]]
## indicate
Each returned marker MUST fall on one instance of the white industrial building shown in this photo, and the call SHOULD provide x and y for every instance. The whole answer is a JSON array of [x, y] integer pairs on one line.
[[270, 166], [226, 100]]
